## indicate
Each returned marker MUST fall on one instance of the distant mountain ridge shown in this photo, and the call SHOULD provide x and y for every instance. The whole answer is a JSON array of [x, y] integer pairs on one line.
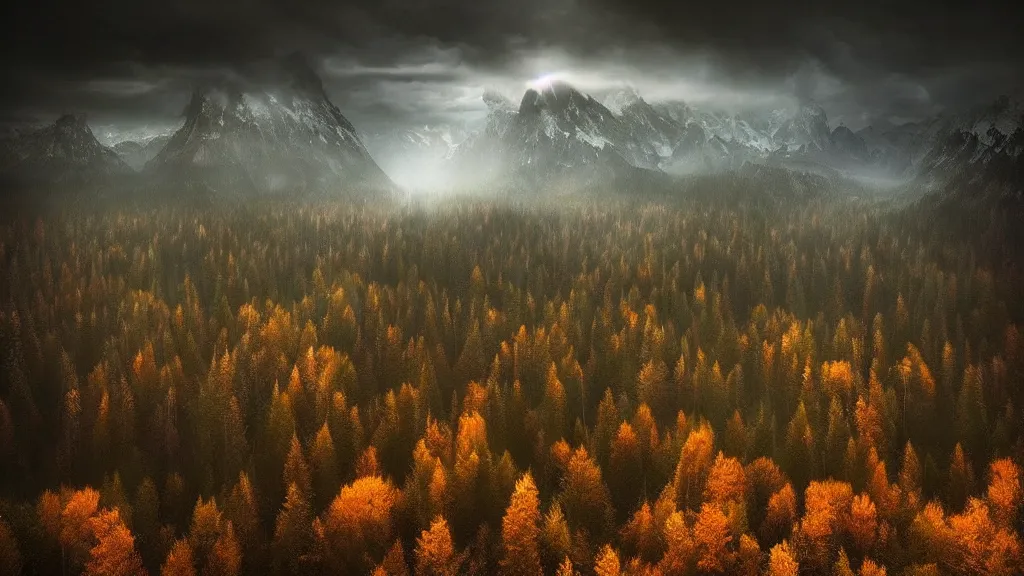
[[136, 153], [286, 136], [557, 127], [65, 152]]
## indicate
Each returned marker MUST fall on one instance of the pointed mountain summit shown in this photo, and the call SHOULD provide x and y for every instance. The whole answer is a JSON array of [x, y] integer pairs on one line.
[[65, 152], [805, 131], [281, 135], [620, 99], [560, 127]]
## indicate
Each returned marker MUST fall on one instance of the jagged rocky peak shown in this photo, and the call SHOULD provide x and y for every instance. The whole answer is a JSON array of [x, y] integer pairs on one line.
[[812, 111], [72, 138], [806, 128], [621, 98], [555, 96], [993, 121], [72, 133]]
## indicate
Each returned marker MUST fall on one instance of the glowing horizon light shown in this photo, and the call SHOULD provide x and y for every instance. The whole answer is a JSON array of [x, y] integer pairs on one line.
[[544, 81]]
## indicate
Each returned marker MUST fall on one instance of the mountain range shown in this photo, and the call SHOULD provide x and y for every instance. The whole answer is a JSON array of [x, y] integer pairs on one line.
[[236, 138], [286, 136], [557, 130]]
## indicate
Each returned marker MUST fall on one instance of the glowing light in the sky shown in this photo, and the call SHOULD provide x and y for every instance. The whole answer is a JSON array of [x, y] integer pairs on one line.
[[543, 82]]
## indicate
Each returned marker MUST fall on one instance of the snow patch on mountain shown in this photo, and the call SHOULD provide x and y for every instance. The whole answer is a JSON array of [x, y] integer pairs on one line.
[[620, 99]]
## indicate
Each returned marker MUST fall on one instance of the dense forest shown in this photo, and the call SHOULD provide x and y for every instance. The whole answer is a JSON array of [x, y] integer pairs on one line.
[[725, 383]]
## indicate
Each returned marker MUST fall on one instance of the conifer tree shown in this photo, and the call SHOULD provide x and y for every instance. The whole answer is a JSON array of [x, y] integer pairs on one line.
[[520, 530], [585, 497], [435, 552], [179, 561]]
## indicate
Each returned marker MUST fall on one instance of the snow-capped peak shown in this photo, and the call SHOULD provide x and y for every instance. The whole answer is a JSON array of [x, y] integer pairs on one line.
[[289, 136]]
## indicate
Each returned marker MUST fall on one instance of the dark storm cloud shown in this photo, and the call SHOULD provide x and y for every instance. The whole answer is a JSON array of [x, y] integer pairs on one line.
[[850, 38], [423, 61]]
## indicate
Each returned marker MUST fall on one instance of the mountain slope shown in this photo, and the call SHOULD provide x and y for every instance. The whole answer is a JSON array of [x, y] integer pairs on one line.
[[290, 138], [983, 146], [806, 130]]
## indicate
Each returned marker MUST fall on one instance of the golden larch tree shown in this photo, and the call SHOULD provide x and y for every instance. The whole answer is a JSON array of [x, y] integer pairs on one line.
[[180, 561], [114, 553], [711, 538], [520, 530], [435, 552], [607, 562], [781, 561], [1004, 492], [358, 524]]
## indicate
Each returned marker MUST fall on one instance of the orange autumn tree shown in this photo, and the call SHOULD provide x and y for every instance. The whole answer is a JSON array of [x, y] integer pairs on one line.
[[625, 469], [180, 561], [862, 524], [435, 552], [782, 513], [607, 562], [711, 539], [693, 466], [679, 552], [1004, 493], [114, 553], [827, 507], [781, 561], [72, 523], [641, 535], [585, 498], [358, 525], [555, 540], [726, 482], [520, 530]]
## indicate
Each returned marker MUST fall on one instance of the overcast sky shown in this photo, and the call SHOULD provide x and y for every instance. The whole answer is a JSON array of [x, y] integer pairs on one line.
[[130, 65]]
